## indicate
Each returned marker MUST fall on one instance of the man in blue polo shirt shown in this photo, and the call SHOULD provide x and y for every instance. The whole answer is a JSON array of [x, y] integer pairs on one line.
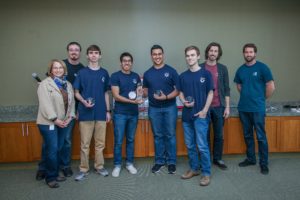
[[125, 87], [160, 84], [196, 93], [255, 83], [91, 89]]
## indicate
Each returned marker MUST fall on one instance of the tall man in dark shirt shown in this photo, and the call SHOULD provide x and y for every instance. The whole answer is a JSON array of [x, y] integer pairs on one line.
[[255, 83], [73, 66]]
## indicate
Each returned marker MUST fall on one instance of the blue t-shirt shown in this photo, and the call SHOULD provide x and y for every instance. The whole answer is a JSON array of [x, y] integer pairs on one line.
[[72, 70], [165, 79], [92, 83], [253, 80], [197, 85], [126, 84]]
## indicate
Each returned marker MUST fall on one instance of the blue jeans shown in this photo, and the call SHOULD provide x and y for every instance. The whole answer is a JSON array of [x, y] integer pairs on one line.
[[163, 123], [217, 120], [52, 144], [195, 135], [124, 125], [255, 120], [65, 148]]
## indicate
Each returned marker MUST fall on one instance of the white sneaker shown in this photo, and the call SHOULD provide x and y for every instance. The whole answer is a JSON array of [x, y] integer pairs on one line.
[[131, 169], [116, 172]]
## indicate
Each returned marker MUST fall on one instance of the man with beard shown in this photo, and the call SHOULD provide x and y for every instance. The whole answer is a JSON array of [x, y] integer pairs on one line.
[[255, 83], [73, 66], [219, 108]]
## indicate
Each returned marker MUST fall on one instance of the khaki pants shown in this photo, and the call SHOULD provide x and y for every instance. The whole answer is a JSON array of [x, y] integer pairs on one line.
[[87, 130]]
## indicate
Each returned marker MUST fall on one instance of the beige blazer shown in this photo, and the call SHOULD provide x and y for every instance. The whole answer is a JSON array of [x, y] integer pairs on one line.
[[51, 103]]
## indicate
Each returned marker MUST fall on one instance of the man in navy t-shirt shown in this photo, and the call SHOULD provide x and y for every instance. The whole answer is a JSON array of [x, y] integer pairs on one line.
[[255, 83], [196, 93], [160, 84], [91, 89], [126, 89]]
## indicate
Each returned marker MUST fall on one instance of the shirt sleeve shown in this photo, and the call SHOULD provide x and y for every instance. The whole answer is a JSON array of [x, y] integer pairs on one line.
[[176, 79], [107, 82], [267, 74], [237, 77], [210, 83], [114, 81], [145, 81]]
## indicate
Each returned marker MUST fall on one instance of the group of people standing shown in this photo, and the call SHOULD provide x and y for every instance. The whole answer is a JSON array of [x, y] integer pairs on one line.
[[202, 88]]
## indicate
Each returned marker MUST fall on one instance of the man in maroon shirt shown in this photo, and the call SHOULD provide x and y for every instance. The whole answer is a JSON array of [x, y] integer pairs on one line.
[[219, 109]]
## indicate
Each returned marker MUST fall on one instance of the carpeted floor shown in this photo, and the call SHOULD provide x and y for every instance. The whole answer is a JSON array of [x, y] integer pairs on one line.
[[17, 182]]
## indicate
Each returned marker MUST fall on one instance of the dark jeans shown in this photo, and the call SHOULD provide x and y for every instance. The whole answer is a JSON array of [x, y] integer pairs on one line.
[[217, 120], [52, 143], [124, 125], [65, 147], [163, 123], [250, 121]]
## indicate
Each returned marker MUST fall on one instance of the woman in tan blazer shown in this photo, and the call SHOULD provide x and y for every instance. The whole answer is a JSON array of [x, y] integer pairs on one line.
[[56, 110]]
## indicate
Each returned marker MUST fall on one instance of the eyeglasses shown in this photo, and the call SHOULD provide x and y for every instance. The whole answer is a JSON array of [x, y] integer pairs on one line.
[[127, 61]]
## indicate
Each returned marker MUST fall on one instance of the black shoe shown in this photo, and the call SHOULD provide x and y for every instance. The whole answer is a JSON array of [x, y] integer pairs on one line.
[[220, 164], [156, 168], [40, 175], [246, 163], [172, 169], [264, 169], [67, 172]]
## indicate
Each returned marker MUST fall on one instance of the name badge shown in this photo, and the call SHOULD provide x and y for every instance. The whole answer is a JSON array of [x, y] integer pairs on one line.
[[51, 127]]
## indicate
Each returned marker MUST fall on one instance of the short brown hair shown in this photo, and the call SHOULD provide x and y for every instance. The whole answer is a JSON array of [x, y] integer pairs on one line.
[[51, 65], [93, 47], [192, 48], [250, 45]]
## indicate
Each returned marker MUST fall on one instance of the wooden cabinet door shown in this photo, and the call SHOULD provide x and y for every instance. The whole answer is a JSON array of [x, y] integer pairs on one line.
[[290, 134], [76, 142], [141, 141], [273, 133], [181, 148], [35, 141], [109, 141], [150, 138], [234, 137], [14, 142]]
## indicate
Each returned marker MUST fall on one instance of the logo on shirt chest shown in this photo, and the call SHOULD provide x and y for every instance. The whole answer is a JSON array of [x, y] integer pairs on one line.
[[254, 74], [202, 79], [103, 79], [134, 81], [167, 74]]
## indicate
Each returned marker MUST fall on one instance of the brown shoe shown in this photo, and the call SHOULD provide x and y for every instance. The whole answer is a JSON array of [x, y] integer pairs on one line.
[[53, 184], [204, 181], [61, 178], [189, 174]]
